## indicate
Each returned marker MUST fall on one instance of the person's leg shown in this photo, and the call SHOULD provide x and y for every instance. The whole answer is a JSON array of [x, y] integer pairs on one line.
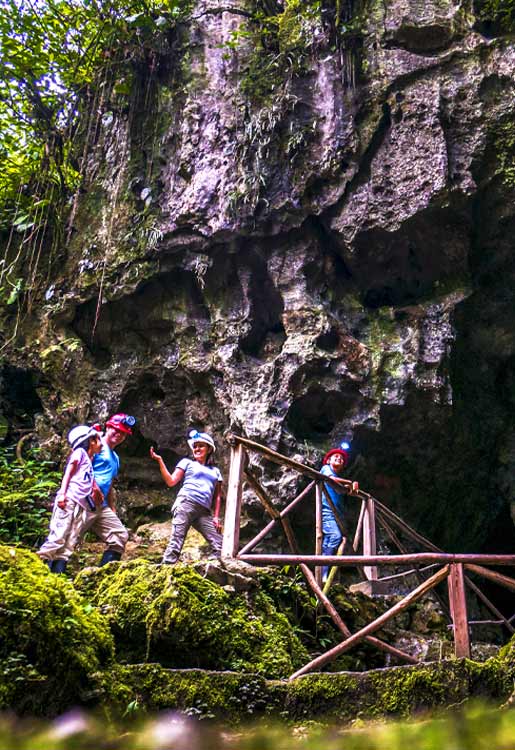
[[81, 521], [332, 536], [60, 525], [183, 513], [205, 524], [108, 527]]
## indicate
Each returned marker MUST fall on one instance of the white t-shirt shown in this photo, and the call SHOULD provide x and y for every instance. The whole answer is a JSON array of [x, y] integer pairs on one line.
[[199, 482], [81, 483]]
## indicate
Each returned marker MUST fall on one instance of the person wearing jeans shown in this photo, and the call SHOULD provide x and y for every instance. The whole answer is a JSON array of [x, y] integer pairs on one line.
[[333, 464]]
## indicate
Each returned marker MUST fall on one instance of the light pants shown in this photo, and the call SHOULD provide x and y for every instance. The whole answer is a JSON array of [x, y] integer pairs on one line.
[[186, 513], [57, 541], [71, 527]]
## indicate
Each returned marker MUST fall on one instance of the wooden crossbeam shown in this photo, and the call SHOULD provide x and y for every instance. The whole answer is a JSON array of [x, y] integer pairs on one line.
[[375, 625], [402, 549], [492, 575], [342, 627], [273, 512], [471, 561], [486, 601], [259, 537]]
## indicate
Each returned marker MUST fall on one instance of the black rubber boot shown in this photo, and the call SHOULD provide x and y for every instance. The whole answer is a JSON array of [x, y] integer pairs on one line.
[[59, 566], [110, 556]]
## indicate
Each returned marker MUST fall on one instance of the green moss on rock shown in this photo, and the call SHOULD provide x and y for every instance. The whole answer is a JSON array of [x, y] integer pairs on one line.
[[398, 691], [51, 641], [175, 616], [227, 696]]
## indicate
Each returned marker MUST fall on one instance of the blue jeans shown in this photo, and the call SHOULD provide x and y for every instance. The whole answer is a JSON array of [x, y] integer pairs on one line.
[[332, 536]]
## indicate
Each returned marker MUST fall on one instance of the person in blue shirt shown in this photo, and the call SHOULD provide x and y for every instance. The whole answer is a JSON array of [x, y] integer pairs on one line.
[[200, 491], [102, 519], [106, 465], [333, 464]]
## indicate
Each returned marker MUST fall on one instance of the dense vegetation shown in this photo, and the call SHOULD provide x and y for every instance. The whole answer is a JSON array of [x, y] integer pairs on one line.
[[26, 491], [59, 59]]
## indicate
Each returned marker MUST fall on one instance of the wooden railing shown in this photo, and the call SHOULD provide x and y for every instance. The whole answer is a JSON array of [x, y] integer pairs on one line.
[[373, 515]]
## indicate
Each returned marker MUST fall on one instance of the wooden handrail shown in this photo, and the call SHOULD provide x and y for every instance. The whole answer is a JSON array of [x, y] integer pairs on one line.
[[359, 560], [392, 523], [278, 458]]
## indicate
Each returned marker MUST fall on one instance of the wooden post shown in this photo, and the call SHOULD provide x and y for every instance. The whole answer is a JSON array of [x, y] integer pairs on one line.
[[369, 537], [319, 532], [359, 527], [458, 602], [231, 538]]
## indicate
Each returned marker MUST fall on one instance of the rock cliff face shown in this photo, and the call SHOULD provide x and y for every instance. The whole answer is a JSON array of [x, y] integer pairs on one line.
[[301, 229]]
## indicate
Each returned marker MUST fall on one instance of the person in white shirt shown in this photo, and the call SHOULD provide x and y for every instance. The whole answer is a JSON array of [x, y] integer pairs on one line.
[[200, 492]]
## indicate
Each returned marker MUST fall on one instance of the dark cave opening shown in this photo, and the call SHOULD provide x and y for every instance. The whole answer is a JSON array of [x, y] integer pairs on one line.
[[19, 400], [314, 415], [428, 254], [267, 331], [142, 321]]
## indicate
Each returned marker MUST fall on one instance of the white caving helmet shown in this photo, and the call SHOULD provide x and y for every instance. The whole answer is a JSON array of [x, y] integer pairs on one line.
[[194, 436], [80, 433]]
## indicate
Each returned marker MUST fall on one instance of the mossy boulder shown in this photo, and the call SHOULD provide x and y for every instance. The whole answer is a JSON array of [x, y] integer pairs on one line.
[[175, 616], [51, 640]]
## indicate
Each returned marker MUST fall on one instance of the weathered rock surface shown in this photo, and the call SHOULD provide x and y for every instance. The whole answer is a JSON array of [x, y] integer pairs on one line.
[[304, 235]]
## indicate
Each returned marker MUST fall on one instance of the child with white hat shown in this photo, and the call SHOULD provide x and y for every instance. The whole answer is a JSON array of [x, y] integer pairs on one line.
[[73, 495]]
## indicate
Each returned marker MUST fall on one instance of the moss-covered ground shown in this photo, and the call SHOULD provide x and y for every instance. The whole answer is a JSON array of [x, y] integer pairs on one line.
[[175, 616]]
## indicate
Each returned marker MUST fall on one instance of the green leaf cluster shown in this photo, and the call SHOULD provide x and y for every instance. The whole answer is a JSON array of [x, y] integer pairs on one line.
[[24, 497], [499, 12], [55, 55]]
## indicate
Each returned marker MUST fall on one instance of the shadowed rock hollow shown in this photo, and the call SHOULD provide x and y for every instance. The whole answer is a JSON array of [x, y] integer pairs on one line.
[[301, 229]]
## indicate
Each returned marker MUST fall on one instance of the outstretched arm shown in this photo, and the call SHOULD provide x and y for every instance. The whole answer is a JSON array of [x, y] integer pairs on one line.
[[170, 479]]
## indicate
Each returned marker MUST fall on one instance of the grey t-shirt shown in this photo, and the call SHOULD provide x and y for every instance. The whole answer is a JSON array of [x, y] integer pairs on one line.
[[199, 482]]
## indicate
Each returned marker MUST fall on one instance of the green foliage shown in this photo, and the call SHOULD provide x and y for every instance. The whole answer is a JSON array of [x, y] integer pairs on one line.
[[501, 12], [281, 46], [51, 641], [24, 495], [60, 62]]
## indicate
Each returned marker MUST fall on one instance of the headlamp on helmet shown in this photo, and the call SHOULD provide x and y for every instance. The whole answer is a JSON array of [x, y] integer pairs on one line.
[[122, 423]]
